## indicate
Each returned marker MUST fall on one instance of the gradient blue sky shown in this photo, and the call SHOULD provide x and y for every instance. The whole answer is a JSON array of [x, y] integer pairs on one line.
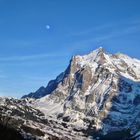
[[31, 55]]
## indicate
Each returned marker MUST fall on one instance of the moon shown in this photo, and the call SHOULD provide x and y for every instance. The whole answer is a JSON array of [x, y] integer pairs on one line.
[[47, 27]]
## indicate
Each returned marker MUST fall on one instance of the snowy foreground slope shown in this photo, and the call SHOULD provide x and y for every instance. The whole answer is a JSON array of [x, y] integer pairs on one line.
[[96, 97]]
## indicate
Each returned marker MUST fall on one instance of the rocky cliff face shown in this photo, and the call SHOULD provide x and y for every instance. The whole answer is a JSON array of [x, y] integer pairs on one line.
[[99, 93]]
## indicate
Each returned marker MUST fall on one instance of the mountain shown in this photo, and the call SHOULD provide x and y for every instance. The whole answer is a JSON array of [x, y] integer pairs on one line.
[[119, 63], [98, 92], [96, 97]]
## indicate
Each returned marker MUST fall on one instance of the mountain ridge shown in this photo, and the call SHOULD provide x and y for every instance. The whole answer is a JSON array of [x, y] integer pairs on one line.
[[42, 91]]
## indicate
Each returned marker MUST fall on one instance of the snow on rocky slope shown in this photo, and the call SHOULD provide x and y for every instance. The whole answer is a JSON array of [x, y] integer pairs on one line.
[[31, 123], [96, 97], [98, 94]]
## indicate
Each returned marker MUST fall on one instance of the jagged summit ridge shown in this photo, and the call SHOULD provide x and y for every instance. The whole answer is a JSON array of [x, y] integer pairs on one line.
[[118, 63]]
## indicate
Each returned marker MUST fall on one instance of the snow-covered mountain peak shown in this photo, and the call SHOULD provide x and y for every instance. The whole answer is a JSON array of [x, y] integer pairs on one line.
[[96, 52], [91, 56], [118, 63]]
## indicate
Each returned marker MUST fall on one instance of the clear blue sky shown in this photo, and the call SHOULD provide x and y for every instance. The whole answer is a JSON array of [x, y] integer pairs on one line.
[[31, 54]]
